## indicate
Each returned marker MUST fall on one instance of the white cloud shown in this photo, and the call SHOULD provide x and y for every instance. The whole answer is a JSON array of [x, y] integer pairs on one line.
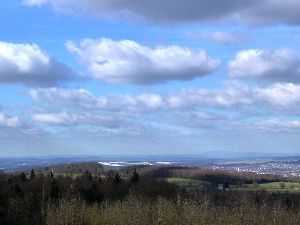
[[11, 122], [279, 95], [69, 97], [170, 11], [78, 118], [151, 100], [28, 64], [233, 95], [81, 98], [129, 62], [282, 65], [55, 118]]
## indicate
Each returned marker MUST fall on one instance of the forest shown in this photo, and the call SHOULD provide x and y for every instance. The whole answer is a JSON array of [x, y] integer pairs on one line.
[[142, 195]]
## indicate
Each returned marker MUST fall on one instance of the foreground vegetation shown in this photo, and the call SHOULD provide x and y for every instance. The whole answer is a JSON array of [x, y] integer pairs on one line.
[[136, 210], [144, 195]]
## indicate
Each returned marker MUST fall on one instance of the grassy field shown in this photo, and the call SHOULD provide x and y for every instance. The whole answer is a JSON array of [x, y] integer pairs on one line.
[[274, 186], [271, 186]]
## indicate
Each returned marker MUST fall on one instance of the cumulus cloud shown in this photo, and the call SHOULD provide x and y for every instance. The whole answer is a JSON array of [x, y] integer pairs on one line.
[[283, 96], [55, 118], [151, 100], [281, 65], [28, 64], [234, 94], [10, 122], [68, 97], [223, 38], [83, 99], [78, 118], [279, 95], [169, 11], [129, 62]]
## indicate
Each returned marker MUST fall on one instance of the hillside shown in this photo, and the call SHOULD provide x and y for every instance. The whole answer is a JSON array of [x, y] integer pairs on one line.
[[72, 169], [87, 193], [188, 178]]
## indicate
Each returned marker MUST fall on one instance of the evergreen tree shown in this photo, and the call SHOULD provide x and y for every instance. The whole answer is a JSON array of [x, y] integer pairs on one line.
[[134, 177], [32, 175], [117, 179]]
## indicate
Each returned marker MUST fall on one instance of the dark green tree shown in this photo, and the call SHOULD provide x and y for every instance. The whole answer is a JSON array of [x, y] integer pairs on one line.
[[117, 179], [32, 175], [134, 177]]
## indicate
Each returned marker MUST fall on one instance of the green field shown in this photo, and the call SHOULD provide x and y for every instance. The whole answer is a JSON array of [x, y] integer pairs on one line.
[[271, 186], [274, 186]]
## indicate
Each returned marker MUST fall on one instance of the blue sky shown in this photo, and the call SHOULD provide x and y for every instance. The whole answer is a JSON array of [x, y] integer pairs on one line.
[[160, 77]]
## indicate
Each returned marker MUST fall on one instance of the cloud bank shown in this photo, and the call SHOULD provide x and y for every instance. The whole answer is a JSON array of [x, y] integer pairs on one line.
[[284, 96], [216, 109], [80, 99], [169, 11]]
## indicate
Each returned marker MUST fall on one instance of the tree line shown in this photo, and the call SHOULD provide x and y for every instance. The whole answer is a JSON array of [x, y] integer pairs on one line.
[[113, 198]]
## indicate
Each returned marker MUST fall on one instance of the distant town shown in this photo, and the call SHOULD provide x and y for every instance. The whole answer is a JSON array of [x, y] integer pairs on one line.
[[290, 168]]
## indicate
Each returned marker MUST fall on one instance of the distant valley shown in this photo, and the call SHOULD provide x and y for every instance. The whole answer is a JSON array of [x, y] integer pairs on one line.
[[277, 165]]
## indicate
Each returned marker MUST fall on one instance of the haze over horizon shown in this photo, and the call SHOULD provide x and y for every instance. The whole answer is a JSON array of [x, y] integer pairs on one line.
[[92, 77]]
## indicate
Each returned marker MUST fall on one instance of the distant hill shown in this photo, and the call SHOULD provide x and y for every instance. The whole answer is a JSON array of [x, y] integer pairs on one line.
[[68, 169]]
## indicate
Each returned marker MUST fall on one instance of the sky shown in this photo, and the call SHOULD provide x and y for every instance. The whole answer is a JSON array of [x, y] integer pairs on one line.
[[92, 77]]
